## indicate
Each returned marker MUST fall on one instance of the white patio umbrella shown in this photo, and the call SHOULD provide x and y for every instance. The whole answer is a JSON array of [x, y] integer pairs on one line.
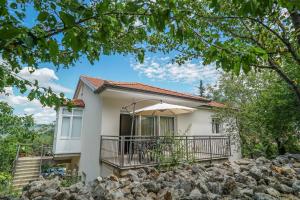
[[164, 109]]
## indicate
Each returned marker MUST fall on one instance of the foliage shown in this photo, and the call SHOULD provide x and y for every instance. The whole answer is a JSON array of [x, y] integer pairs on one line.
[[14, 130], [61, 33], [262, 111], [69, 180], [201, 89], [170, 151], [235, 35]]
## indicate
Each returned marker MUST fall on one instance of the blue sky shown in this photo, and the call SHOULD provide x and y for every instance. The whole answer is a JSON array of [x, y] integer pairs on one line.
[[157, 70]]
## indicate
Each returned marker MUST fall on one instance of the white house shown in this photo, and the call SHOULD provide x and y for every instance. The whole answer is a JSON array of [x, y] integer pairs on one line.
[[98, 137]]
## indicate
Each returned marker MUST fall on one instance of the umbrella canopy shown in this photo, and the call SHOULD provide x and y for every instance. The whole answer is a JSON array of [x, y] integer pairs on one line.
[[164, 109]]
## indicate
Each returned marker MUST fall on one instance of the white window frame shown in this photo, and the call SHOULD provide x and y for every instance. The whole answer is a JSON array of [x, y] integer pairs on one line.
[[213, 122], [71, 116]]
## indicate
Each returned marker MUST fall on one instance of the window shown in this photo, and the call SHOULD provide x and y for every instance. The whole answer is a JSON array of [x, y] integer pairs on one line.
[[147, 125], [155, 125], [167, 125], [71, 123], [216, 125]]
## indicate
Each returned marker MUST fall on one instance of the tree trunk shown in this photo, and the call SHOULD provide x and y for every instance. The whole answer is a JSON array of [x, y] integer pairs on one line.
[[280, 147], [292, 84], [295, 15]]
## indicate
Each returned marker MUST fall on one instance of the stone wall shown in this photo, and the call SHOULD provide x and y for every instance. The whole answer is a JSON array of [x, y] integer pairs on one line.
[[259, 179]]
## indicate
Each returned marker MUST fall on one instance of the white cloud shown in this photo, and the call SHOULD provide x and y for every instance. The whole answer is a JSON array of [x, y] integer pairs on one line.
[[42, 115], [189, 72], [46, 78]]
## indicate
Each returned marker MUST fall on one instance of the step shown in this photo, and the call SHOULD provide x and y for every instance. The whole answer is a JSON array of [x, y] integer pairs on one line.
[[29, 158], [25, 180], [24, 172], [28, 161], [27, 165], [27, 169], [26, 176]]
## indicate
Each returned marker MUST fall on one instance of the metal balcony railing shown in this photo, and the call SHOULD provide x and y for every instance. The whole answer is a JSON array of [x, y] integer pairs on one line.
[[138, 151]]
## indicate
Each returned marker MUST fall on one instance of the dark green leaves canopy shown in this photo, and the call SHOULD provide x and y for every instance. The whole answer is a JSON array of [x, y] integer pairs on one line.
[[235, 35]]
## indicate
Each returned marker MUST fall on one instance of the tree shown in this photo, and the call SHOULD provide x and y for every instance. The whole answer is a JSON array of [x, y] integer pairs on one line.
[[201, 89], [64, 31], [264, 112], [14, 129], [237, 35]]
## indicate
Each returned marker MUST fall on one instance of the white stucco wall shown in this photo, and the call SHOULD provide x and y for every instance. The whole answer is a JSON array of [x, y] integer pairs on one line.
[[90, 136], [197, 123]]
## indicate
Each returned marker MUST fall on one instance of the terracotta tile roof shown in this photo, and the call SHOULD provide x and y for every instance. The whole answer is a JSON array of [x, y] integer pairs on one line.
[[77, 103], [216, 104], [99, 83]]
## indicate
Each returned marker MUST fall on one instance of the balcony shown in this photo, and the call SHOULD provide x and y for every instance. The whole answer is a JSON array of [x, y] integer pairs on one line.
[[125, 152]]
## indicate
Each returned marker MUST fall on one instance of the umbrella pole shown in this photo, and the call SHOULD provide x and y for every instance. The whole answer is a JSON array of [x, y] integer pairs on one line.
[[131, 132]]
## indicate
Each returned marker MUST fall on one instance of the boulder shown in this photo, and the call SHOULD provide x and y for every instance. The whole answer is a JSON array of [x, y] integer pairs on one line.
[[195, 194], [263, 196]]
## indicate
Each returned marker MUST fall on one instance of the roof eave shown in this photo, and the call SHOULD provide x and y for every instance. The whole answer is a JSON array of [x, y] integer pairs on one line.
[[106, 85]]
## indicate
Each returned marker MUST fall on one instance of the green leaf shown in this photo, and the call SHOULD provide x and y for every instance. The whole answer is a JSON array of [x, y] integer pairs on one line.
[[43, 16], [141, 55], [13, 5], [53, 48], [68, 19]]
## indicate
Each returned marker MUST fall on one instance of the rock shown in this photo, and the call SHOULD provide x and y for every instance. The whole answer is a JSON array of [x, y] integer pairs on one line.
[[195, 169], [62, 195], [133, 175], [243, 162], [215, 187], [186, 185], [295, 156], [50, 192], [113, 178], [118, 194], [246, 192], [201, 185], [283, 188], [229, 185], [263, 196], [99, 192], [273, 192], [195, 194], [261, 160], [296, 186], [151, 186], [255, 173], [296, 165]]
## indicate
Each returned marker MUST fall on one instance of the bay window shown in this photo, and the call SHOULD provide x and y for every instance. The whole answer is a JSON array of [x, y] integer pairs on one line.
[[71, 123]]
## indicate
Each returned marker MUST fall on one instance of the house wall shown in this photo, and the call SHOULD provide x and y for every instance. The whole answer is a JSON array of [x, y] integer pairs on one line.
[[90, 136], [198, 122], [102, 117]]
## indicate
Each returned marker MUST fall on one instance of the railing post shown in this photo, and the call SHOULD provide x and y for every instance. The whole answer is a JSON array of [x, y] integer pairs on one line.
[[122, 150], [187, 148], [229, 143], [210, 149], [100, 151]]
